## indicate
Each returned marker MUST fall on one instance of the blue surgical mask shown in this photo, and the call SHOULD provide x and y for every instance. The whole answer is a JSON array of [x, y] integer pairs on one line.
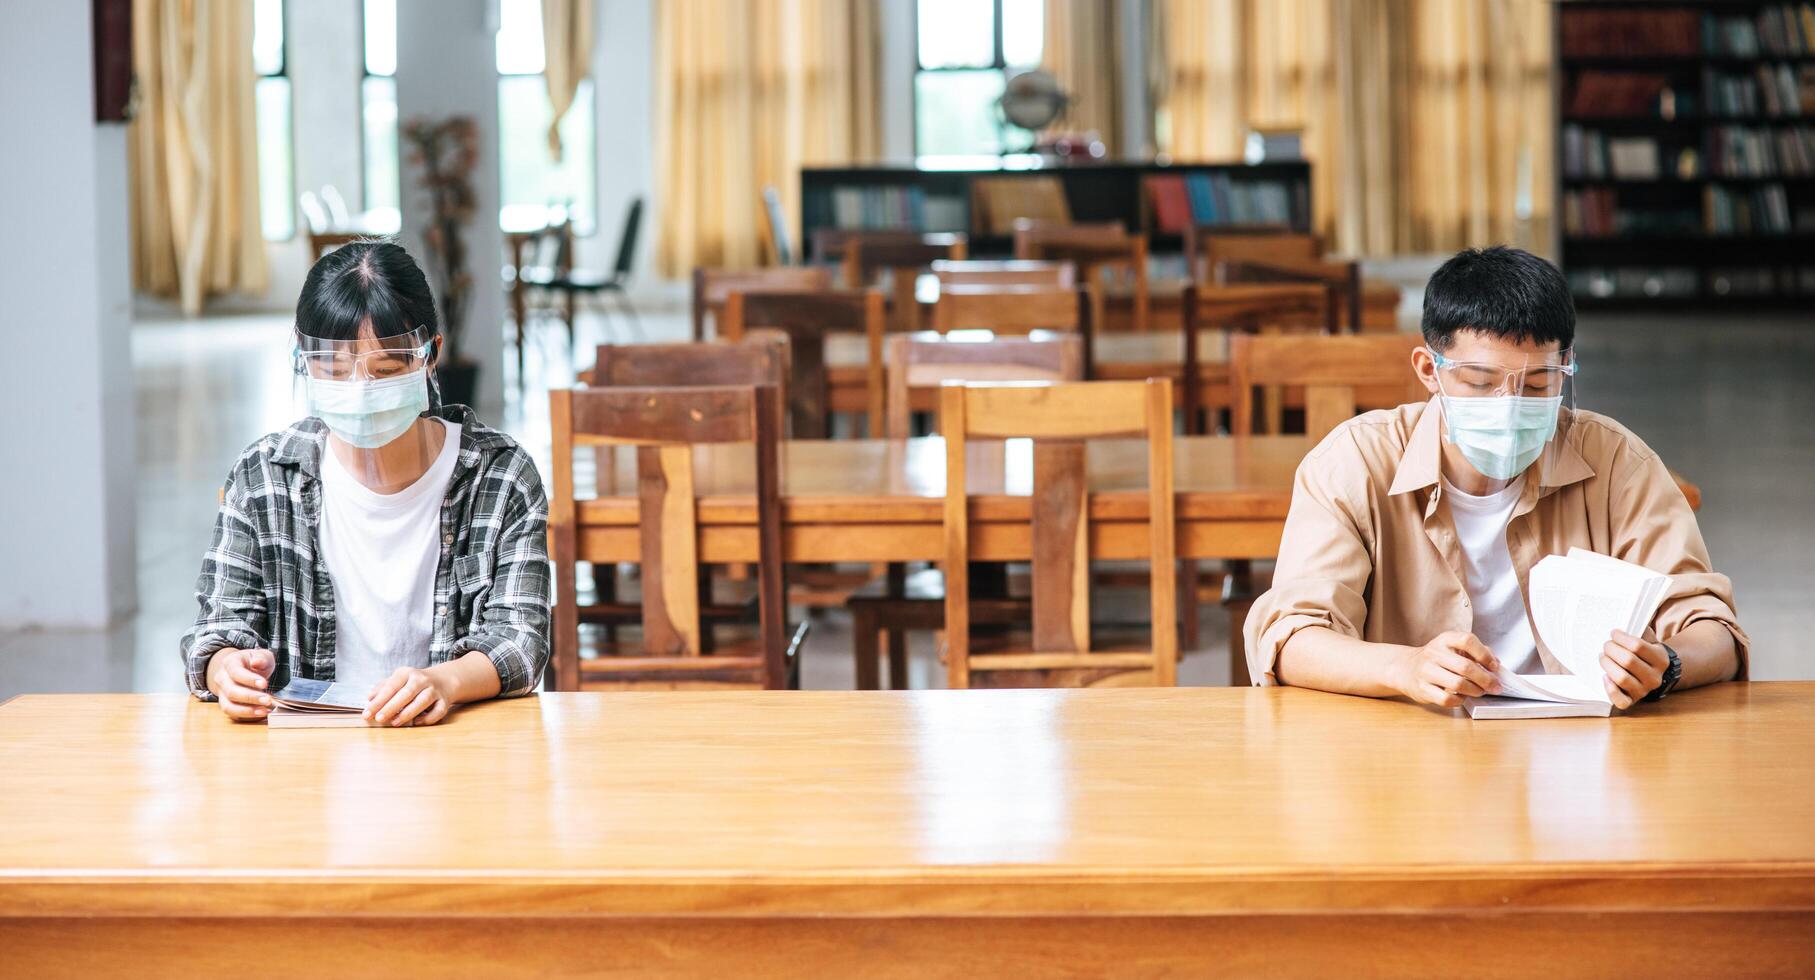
[[1503, 435], [369, 414]]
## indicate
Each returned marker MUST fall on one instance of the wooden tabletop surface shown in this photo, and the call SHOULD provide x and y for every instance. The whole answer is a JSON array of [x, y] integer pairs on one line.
[[924, 802]]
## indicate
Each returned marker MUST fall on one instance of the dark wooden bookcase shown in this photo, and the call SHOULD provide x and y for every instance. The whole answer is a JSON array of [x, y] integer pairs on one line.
[[1092, 192], [1698, 232]]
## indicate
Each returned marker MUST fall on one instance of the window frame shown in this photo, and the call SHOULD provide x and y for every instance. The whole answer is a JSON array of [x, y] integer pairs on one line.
[[998, 63], [366, 74], [282, 72]]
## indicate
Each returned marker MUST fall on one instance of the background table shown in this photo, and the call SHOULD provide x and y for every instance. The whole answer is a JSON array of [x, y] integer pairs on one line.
[[989, 833]]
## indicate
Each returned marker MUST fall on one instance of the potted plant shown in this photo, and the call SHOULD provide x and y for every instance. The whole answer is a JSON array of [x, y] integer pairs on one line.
[[444, 153]]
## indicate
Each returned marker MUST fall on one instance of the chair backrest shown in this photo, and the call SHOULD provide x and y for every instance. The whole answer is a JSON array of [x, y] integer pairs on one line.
[[627, 242], [1340, 374], [830, 244], [1011, 309], [756, 361], [711, 286], [664, 424], [1093, 247], [1059, 419], [1249, 243], [778, 226], [867, 258], [807, 316], [1010, 272], [315, 214], [336, 205], [919, 363]]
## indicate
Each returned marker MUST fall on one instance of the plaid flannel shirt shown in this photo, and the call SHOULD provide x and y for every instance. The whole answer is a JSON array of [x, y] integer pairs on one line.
[[264, 582]]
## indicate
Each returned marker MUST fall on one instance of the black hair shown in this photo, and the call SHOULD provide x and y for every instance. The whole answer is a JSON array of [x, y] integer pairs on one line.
[[364, 282], [1504, 292]]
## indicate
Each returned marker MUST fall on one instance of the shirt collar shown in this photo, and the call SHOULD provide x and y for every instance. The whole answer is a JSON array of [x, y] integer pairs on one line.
[[1421, 466], [301, 444]]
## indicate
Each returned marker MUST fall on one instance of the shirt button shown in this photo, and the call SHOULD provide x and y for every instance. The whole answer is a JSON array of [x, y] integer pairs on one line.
[[447, 539]]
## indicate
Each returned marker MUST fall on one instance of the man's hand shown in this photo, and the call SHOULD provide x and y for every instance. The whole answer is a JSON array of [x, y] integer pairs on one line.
[[410, 696], [239, 678], [1449, 668], [1635, 667]]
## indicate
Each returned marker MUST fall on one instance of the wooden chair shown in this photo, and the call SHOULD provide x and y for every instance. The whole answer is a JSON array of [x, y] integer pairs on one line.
[[761, 359], [559, 277], [1059, 418], [711, 286], [1339, 374], [867, 256], [664, 424], [1092, 247], [1220, 255], [1010, 272], [918, 365], [806, 317], [1013, 309]]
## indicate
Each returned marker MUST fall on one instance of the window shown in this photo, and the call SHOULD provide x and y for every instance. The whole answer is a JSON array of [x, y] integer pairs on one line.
[[532, 182], [967, 51], [378, 118], [271, 112]]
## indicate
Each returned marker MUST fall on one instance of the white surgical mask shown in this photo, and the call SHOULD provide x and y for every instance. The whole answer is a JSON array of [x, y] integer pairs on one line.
[[369, 414], [1503, 435]]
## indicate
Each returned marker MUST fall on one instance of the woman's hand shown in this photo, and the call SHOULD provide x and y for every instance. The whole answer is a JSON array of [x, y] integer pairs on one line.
[[1634, 667], [1452, 667], [239, 678], [410, 696]]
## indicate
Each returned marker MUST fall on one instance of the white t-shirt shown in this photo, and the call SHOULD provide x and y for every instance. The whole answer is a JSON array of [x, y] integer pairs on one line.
[[1493, 587], [382, 551]]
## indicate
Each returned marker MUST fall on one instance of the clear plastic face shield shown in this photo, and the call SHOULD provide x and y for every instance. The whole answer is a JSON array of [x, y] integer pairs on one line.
[[1507, 412], [369, 392]]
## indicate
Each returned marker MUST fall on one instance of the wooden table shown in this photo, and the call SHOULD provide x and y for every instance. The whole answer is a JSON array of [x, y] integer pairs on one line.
[[975, 833], [878, 500]]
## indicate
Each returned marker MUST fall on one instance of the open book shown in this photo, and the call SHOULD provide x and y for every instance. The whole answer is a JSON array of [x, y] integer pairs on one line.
[[1577, 601], [317, 704]]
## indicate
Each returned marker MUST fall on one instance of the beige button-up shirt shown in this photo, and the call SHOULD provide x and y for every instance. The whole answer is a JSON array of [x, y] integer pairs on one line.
[[1371, 552]]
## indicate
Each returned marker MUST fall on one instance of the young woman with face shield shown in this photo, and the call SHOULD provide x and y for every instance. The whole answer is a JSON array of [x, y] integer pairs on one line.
[[387, 541]]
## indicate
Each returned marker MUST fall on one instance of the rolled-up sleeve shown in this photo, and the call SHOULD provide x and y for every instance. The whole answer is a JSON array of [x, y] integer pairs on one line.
[[1654, 526], [230, 591], [1322, 574], [513, 628]]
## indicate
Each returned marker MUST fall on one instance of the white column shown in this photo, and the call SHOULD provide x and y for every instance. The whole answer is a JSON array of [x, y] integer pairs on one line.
[[326, 63], [66, 484], [447, 66], [623, 72], [900, 32]]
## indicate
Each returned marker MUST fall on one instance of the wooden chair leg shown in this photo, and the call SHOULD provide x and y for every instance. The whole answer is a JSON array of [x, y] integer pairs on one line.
[[863, 646], [1238, 599], [898, 659], [1189, 611]]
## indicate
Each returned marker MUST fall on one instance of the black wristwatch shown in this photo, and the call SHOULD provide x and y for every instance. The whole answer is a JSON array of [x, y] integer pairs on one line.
[[1672, 674]]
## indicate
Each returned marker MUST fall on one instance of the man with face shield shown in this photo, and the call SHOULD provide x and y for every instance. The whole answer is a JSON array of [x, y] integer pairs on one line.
[[386, 542], [1412, 531]]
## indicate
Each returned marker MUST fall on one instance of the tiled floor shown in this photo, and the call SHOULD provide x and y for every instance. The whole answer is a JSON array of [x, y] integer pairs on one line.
[[1728, 401]]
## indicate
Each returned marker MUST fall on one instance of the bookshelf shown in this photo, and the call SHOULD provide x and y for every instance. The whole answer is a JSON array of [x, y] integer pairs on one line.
[[1157, 200], [1686, 152]]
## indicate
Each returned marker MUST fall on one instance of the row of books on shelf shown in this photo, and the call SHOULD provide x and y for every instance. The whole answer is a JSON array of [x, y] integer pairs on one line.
[[1762, 151], [1765, 209], [1777, 29], [1667, 282], [1761, 210], [1731, 151], [1207, 198], [886, 207], [1768, 89], [1630, 95], [1600, 32]]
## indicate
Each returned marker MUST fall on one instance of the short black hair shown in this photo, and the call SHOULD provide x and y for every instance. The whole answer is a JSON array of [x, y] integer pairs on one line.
[[1506, 292], [367, 281]]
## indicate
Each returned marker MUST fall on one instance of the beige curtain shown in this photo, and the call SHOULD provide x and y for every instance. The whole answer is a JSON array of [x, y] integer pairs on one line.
[[1083, 51], [567, 46], [748, 92], [193, 152], [1427, 121]]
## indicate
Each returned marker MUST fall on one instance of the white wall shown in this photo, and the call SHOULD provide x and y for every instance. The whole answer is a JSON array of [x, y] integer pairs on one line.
[[623, 71], [66, 486], [447, 65]]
